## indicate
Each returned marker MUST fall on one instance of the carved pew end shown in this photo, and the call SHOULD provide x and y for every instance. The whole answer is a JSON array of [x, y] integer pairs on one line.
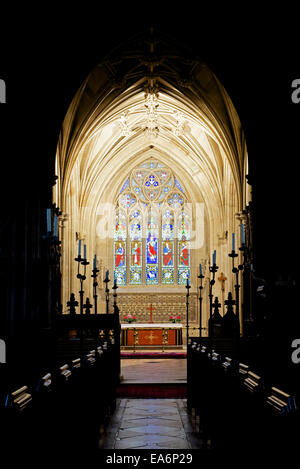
[[76, 364], [45, 383], [253, 382], [243, 370], [281, 402], [90, 359], [19, 400], [65, 373], [228, 364]]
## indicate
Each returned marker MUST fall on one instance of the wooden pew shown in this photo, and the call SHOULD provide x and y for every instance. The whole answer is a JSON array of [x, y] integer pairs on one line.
[[234, 407], [69, 403], [282, 419], [281, 402], [19, 400], [17, 419]]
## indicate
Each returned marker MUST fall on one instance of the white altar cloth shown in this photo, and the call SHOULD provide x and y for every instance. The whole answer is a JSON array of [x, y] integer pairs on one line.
[[154, 325]]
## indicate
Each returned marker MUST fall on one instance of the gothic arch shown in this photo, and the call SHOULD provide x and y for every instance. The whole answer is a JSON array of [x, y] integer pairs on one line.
[[105, 134]]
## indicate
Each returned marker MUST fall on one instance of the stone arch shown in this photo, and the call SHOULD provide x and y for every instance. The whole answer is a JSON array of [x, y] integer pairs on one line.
[[210, 154]]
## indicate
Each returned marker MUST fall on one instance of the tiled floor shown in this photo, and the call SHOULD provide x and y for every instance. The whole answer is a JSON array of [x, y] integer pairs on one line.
[[150, 424]]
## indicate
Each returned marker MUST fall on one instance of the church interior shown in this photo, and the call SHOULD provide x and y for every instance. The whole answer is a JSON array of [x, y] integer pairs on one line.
[[148, 271]]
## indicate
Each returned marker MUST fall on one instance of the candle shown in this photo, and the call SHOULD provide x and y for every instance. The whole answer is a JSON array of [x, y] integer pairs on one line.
[[79, 248], [242, 233], [48, 220], [187, 282], [95, 261], [84, 251], [233, 242], [200, 268], [214, 257], [106, 275], [55, 227]]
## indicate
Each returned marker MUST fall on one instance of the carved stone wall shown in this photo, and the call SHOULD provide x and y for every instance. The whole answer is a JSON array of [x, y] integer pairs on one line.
[[164, 305]]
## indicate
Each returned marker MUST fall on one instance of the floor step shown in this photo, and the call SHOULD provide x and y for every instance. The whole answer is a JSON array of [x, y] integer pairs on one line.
[[153, 390]]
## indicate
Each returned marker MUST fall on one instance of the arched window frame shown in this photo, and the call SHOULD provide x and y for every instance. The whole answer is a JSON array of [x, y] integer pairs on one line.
[[153, 192]]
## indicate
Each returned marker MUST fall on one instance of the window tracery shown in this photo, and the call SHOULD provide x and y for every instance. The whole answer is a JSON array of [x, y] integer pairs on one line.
[[152, 228]]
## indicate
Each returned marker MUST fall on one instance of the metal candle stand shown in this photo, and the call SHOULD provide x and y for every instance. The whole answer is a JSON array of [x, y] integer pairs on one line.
[[115, 294], [95, 296], [236, 270], [81, 277], [106, 280], [213, 269], [188, 286], [95, 285], [201, 277]]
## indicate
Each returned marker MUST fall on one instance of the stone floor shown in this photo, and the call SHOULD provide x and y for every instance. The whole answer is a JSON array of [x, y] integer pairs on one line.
[[152, 423]]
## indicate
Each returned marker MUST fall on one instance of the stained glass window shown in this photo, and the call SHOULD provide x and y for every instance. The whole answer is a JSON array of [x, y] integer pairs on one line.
[[151, 203], [176, 200], [120, 247], [125, 185], [152, 249], [136, 248], [178, 185], [183, 248], [127, 200], [167, 236]]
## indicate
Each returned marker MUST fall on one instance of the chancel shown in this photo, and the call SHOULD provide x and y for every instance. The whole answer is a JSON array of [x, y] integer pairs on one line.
[[142, 244]]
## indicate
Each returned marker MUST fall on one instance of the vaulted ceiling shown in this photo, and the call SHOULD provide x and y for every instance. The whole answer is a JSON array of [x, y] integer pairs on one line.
[[193, 127]]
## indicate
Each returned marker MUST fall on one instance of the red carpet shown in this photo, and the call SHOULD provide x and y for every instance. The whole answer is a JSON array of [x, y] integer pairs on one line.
[[152, 390], [153, 354]]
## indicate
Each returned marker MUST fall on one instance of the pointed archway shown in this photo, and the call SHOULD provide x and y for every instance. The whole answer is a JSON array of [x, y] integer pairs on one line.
[[150, 99]]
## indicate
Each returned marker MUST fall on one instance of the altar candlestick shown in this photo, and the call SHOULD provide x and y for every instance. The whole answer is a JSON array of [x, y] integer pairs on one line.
[[242, 233], [233, 242], [48, 220], [79, 248]]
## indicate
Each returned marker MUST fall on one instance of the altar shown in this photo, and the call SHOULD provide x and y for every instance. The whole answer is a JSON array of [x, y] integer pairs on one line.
[[139, 335]]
